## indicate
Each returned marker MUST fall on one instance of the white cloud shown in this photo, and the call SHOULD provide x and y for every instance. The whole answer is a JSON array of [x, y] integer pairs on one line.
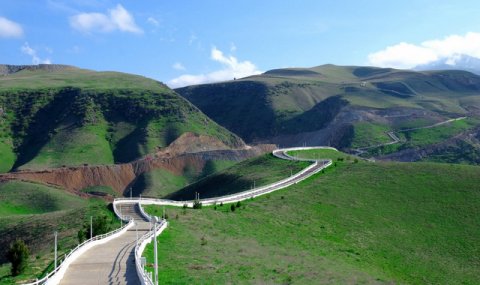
[[10, 29], [26, 49], [178, 66], [405, 55], [153, 21], [117, 18], [231, 68]]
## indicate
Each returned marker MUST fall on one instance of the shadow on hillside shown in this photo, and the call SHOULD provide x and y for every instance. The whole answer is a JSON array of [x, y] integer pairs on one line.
[[42, 124], [213, 186]]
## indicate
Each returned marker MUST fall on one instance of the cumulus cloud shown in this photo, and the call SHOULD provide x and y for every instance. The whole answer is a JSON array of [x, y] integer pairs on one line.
[[117, 19], [178, 66], [26, 49], [10, 29], [406, 55], [231, 68]]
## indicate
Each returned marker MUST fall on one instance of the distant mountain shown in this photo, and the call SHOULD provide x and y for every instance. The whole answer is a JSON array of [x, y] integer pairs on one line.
[[456, 62], [343, 106]]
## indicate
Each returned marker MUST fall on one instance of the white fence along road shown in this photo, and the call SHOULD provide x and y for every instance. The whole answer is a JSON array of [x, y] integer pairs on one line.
[[119, 258]]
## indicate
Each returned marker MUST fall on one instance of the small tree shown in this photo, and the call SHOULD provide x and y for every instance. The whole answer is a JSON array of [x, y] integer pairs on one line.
[[232, 208], [18, 256], [238, 204]]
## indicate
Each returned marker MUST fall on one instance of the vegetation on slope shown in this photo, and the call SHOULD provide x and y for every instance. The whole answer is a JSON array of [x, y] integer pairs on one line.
[[359, 222], [73, 116], [344, 106], [33, 212], [243, 176]]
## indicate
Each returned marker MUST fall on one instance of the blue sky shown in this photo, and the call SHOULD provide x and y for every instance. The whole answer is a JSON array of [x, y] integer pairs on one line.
[[187, 42]]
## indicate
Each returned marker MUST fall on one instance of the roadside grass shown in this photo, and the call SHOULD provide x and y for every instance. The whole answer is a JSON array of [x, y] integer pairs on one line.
[[321, 154], [243, 176], [359, 223], [33, 213]]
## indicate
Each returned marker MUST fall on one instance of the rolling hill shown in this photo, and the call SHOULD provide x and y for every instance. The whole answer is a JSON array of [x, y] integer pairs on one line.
[[55, 115], [357, 223], [347, 107]]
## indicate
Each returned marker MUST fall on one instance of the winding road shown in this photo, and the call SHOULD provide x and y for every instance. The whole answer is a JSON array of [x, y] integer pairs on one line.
[[395, 139], [114, 262]]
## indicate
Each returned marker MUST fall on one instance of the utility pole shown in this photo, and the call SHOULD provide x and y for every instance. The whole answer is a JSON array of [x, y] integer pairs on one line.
[[155, 219], [136, 230], [55, 261], [130, 192], [91, 227]]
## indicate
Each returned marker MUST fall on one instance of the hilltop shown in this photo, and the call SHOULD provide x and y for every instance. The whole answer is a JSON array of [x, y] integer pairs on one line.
[[55, 115], [350, 107]]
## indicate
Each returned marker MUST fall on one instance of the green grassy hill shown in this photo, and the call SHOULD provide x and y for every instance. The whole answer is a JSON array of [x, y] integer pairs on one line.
[[70, 116], [339, 105], [33, 212], [240, 177], [357, 223]]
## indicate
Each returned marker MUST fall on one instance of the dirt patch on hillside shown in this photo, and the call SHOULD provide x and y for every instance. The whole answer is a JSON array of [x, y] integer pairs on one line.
[[189, 150]]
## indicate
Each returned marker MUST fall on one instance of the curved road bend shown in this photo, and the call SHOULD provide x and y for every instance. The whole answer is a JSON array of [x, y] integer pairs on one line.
[[112, 262]]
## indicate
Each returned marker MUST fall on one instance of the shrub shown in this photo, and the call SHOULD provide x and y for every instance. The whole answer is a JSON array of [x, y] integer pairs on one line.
[[100, 226], [81, 235], [232, 208], [355, 160], [238, 204], [197, 204], [18, 255]]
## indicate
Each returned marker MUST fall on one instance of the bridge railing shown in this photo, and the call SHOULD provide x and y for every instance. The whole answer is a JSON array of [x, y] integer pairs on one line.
[[56, 275]]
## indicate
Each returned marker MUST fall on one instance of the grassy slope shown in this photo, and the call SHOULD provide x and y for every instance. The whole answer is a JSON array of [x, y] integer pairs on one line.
[[428, 136], [360, 223], [241, 177], [99, 118], [29, 198], [33, 212], [293, 100]]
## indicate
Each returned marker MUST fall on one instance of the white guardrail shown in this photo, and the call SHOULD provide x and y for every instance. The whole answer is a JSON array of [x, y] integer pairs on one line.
[[144, 276], [56, 275]]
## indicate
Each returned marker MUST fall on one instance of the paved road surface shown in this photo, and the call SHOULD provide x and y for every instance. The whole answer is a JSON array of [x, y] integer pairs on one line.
[[112, 262]]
